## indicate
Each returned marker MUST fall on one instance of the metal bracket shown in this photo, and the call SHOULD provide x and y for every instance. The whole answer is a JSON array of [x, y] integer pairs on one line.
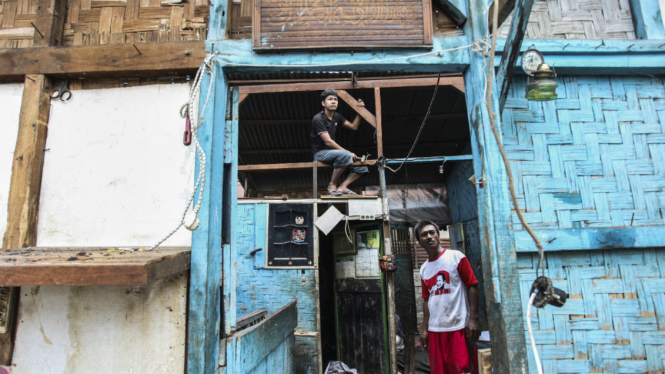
[[6, 307], [480, 183]]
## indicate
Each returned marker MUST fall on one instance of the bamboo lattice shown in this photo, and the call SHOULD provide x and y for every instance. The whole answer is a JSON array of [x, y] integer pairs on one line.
[[572, 19]]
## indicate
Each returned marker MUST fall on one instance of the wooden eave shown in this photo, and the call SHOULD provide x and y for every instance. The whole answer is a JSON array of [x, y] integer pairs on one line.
[[86, 266]]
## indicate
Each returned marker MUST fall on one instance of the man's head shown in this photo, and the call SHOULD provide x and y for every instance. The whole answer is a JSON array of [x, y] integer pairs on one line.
[[440, 281], [427, 233], [329, 99]]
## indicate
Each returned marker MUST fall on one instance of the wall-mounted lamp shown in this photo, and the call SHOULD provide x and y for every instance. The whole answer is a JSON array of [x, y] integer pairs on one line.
[[543, 87]]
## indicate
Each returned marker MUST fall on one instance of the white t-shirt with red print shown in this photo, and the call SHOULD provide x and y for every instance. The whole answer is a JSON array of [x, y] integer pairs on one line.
[[444, 282]]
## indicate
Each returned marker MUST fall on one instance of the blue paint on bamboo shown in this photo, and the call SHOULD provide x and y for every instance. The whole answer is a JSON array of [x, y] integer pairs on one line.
[[204, 292], [647, 19]]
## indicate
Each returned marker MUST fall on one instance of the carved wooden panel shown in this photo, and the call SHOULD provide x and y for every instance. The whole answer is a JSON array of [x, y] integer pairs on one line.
[[305, 24]]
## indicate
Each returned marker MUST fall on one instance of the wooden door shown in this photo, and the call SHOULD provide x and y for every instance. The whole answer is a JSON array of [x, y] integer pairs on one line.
[[360, 302]]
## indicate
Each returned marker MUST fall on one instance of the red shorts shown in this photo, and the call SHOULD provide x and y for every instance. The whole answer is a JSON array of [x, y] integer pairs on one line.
[[449, 352]]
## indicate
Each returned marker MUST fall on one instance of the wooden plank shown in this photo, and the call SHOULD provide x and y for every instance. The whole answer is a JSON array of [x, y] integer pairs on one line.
[[348, 85], [50, 22], [86, 266], [505, 8], [362, 111], [156, 59], [427, 22], [346, 197], [256, 24], [18, 33], [592, 238], [205, 276], [379, 124], [455, 9], [512, 49], [23, 201], [254, 344], [293, 166]]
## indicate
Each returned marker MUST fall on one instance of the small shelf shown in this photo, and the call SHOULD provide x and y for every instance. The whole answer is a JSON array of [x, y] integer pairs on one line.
[[90, 266]]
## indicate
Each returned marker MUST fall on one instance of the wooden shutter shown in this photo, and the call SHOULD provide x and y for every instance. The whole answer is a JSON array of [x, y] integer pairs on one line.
[[306, 24]]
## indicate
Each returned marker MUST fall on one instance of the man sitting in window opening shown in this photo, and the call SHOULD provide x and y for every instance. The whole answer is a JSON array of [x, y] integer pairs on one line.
[[326, 150], [450, 290]]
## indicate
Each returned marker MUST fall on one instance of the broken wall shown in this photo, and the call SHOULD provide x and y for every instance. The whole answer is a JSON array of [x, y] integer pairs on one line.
[[10, 107], [115, 174]]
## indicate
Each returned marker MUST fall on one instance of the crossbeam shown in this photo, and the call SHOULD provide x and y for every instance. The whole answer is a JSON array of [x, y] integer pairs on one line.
[[294, 166], [456, 81], [103, 61]]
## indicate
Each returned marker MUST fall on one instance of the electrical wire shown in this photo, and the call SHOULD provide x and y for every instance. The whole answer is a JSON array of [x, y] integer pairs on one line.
[[533, 341], [422, 126]]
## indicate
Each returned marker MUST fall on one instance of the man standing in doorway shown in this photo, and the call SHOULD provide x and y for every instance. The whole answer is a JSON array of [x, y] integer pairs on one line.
[[450, 290], [326, 150]]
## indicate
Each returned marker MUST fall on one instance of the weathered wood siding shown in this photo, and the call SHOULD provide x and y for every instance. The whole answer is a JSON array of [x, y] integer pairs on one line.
[[10, 106], [267, 289], [614, 321], [280, 24], [572, 19], [15, 28], [594, 159]]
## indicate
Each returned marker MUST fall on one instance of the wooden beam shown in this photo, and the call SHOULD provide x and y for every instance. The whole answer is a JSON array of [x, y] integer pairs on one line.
[[379, 123], [24, 188], [348, 85], [385, 147], [455, 9], [505, 8], [363, 112], [418, 119], [87, 266], [114, 60], [50, 22], [512, 49], [294, 166]]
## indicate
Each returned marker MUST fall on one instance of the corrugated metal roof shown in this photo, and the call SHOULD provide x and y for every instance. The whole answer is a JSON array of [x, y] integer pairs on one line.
[[275, 128]]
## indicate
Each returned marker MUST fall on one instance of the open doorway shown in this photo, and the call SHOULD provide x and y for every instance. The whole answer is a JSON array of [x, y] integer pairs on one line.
[[352, 317]]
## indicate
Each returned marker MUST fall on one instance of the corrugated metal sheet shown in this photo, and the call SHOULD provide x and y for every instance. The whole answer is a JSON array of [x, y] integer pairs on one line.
[[275, 128]]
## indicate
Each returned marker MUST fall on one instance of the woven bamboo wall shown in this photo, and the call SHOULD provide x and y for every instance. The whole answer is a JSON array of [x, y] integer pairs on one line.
[[573, 19], [15, 28], [93, 22], [593, 158], [614, 320]]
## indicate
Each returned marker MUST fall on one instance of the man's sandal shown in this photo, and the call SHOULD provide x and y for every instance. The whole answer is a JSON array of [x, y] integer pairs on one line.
[[348, 192], [334, 193]]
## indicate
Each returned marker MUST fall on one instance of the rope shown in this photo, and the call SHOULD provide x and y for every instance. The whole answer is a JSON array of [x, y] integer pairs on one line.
[[422, 126], [197, 122], [504, 156]]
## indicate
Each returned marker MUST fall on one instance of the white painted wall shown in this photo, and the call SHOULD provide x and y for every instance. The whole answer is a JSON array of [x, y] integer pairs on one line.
[[10, 107], [115, 174]]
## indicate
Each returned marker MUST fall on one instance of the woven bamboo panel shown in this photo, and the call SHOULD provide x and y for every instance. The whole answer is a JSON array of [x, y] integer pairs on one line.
[[16, 30], [614, 320], [94, 22], [595, 157], [573, 19]]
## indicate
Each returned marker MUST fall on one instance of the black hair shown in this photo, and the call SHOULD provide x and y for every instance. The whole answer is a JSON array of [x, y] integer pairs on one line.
[[327, 92], [424, 223]]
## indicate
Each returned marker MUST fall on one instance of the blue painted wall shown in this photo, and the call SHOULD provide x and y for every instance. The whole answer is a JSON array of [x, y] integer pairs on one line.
[[591, 160], [278, 361], [266, 289]]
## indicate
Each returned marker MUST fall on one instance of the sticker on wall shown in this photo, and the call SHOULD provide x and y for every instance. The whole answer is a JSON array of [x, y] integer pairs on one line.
[[298, 235], [300, 220]]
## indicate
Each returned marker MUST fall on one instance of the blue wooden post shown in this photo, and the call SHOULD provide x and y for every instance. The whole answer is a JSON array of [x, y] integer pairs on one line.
[[494, 215], [230, 204], [204, 290], [648, 19]]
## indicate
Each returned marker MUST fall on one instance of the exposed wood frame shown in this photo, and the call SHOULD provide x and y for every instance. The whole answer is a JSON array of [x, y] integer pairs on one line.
[[115, 60], [512, 49], [455, 9], [456, 81], [363, 112], [294, 166], [505, 8], [428, 28], [50, 22], [25, 185], [385, 147]]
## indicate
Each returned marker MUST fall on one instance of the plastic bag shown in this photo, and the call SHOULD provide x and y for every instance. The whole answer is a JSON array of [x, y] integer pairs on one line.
[[338, 367]]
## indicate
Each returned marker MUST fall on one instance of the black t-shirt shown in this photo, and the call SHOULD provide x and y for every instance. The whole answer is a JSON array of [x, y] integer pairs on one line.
[[321, 124]]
